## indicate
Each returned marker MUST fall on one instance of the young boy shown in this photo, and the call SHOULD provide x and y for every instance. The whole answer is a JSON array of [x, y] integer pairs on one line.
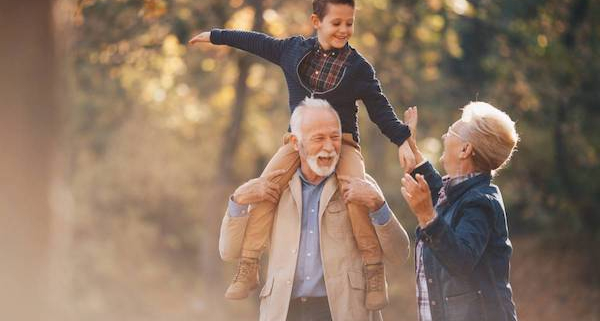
[[324, 67]]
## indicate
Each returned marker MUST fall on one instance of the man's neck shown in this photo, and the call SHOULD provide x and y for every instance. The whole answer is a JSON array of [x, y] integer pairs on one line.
[[309, 175]]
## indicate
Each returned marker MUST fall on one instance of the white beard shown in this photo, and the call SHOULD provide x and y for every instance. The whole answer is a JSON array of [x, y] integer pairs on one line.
[[322, 171]]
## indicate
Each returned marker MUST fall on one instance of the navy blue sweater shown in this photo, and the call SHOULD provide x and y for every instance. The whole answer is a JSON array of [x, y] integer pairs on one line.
[[358, 81]]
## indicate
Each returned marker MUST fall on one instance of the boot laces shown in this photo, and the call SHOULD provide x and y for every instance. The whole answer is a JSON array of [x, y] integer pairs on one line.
[[245, 268]]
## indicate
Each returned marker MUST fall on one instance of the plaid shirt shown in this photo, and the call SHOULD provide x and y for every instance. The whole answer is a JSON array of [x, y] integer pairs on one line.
[[321, 70], [449, 182], [424, 311]]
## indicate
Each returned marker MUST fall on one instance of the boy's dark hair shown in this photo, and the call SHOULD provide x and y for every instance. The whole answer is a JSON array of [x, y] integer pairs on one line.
[[320, 6]]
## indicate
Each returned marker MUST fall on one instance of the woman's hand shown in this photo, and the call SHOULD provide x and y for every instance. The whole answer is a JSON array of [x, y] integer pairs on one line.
[[417, 195], [411, 118], [201, 37]]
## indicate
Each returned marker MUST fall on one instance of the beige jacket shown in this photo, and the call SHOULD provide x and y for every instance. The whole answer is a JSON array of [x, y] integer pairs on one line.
[[342, 263]]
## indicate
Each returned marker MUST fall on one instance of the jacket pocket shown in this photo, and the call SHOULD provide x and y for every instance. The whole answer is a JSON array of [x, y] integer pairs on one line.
[[266, 289], [337, 223], [357, 280], [356, 300], [465, 307]]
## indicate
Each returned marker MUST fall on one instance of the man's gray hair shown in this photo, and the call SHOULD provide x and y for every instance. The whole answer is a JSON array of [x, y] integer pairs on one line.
[[309, 104]]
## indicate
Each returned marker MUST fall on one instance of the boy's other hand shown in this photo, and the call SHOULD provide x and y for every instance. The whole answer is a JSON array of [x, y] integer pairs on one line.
[[201, 37]]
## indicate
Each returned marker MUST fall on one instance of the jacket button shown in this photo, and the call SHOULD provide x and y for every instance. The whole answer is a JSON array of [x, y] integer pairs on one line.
[[433, 303], [294, 251], [289, 282], [430, 281]]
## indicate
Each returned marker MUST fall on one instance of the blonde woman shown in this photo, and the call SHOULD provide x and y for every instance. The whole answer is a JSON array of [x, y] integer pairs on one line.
[[463, 251]]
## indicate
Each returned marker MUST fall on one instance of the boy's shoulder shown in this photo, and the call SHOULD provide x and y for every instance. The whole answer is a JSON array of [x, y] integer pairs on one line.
[[359, 58]]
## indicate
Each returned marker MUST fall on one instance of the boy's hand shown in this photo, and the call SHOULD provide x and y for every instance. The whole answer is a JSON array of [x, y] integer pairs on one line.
[[406, 157], [201, 37]]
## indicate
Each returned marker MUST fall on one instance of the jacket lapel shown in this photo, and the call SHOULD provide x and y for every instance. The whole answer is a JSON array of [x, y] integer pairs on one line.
[[296, 190], [329, 189]]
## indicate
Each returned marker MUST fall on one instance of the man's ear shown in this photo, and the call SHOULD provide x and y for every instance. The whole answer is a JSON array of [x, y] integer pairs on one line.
[[294, 141], [316, 22]]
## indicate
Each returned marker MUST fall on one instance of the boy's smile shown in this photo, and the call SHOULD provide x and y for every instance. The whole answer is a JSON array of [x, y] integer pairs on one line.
[[336, 27]]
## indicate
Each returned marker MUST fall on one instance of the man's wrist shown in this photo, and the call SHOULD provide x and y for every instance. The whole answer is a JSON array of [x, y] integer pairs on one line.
[[381, 215], [236, 209]]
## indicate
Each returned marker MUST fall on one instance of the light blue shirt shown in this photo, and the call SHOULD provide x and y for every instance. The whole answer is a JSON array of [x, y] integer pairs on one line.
[[308, 278]]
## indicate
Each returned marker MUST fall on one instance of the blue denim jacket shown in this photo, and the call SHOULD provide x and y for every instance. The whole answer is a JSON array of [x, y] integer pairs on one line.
[[358, 81], [466, 251]]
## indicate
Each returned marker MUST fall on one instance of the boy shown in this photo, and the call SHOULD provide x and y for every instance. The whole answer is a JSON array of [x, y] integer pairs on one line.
[[324, 67]]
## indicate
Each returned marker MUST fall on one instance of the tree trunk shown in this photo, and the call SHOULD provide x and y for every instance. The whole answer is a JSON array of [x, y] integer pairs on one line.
[[28, 117], [212, 268]]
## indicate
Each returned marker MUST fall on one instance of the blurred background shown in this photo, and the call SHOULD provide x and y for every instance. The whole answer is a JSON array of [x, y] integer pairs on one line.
[[121, 144]]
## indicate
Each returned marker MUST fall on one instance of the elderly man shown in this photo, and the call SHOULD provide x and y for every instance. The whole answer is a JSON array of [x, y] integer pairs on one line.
[[315, 269]]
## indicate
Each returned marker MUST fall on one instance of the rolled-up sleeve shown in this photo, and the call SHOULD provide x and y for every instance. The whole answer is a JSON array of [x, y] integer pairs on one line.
[[382, 215]]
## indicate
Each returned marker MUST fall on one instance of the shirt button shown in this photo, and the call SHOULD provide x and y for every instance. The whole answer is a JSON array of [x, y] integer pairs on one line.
[[308, 277], [311, 232], [430, 281], [308, 254], [313, 210], [433, 303]]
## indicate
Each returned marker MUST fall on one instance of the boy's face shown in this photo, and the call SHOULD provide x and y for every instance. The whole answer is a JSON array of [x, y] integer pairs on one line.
[[337, 26]]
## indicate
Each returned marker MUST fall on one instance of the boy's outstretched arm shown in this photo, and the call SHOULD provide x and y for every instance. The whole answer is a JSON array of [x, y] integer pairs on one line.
[[382, 113], [199, 38], [253, 42]]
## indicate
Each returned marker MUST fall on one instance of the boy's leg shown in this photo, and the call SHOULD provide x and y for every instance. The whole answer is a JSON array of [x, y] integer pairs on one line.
[[351, 164], [261, 214], [259, 224]]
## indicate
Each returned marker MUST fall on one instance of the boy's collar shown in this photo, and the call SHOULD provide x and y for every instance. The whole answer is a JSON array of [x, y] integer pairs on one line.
[[319, 49]]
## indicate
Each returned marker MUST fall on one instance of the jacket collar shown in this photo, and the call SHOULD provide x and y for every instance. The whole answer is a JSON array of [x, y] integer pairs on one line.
[[454, 192]]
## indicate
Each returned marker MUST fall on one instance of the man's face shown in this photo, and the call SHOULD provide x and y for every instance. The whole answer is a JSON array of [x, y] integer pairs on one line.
[[336, 27], [320, 143]]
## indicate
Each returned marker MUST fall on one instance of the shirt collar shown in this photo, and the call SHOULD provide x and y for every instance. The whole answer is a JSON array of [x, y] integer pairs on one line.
[[453, 181], [333, 51], [305, 181]]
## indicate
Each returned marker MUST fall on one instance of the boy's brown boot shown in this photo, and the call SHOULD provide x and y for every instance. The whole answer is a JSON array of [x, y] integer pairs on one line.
[[245, 279], [377, 295]]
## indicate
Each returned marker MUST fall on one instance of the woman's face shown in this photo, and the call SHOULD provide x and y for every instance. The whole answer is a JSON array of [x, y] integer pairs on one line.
[[454, 150]]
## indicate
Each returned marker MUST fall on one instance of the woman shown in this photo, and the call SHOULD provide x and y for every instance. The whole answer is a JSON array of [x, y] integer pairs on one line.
[[463, 251]]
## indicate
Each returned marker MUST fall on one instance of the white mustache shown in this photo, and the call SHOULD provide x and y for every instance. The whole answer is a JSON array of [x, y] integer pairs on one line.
[[326, 154]]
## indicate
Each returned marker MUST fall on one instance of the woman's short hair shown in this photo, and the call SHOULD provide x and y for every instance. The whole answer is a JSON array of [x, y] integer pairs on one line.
[[492, 134]]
